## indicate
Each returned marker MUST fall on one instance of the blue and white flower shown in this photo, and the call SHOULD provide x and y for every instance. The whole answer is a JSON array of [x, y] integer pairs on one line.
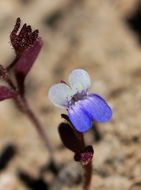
[[83, 108]]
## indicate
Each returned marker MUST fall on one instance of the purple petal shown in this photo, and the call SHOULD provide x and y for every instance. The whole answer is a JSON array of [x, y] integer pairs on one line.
[[80, 119], [96, 106]]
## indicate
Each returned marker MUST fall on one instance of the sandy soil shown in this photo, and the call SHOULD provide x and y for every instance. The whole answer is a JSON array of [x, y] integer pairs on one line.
[[89, 34]]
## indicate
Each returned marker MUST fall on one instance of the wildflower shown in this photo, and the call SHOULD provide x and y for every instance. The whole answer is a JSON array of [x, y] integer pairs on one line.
[[83, 108]]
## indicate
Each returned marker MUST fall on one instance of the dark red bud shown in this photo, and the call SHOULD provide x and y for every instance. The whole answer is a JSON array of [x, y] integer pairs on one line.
[[86, 156], [23, 39]]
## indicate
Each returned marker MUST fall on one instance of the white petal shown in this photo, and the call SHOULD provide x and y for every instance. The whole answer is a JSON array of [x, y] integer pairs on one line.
[[79, 80], [59, 94]]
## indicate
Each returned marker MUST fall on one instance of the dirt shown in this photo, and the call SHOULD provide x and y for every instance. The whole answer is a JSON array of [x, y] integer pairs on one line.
[[102, 37]]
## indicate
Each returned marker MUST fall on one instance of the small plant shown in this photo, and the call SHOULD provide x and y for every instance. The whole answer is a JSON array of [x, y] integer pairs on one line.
[[83, 108], [27, 45]]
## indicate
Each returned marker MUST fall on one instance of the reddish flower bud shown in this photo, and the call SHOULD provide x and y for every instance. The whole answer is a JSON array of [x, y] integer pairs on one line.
[[86, 156], [27, 45], [23, 39]]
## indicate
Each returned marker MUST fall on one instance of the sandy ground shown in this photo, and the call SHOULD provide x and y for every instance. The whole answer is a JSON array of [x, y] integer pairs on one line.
[[89, 34]]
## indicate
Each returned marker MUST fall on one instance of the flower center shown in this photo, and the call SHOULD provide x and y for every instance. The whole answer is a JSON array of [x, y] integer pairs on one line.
[[76, 97]]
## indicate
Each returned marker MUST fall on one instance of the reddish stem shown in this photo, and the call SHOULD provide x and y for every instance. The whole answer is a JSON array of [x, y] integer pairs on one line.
[[38, 125], [87, 168], [23, 105], [87, 176]]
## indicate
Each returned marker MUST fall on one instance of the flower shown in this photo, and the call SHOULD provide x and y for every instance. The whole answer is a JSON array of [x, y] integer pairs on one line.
[[83, 108]]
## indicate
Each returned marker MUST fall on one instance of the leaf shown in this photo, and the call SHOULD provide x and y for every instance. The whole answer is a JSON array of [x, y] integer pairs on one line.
[[70, 138], [6, 93], [25, 63]]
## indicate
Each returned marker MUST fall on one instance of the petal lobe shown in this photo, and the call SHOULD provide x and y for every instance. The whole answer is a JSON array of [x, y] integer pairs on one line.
[[97, 107], [80, 119], [79, 80], [60, 94]]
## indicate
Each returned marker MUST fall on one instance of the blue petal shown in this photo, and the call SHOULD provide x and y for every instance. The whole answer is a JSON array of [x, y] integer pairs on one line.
[[96, 106], [80, 119]]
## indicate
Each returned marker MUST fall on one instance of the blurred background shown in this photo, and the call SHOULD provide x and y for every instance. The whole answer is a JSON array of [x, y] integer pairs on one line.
[[102, 37]]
